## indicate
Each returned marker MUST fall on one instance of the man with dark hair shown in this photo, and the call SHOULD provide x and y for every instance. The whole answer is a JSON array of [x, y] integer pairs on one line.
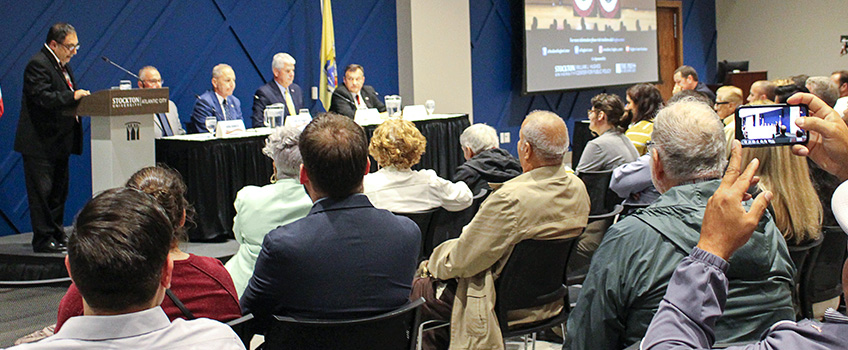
[[46, 137], [354, 94], [686, 78], [345, 259], [840, 78], [118, 258]]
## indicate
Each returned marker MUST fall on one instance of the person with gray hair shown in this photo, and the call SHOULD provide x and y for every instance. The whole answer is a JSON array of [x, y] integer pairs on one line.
[[484, 161], [261, 209], [546, 202], [633, 265], [281, 90], [218, 102], [824, 88], [165, 124]]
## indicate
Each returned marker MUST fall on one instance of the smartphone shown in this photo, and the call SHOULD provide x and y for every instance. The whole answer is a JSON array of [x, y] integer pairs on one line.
[[770, 125]]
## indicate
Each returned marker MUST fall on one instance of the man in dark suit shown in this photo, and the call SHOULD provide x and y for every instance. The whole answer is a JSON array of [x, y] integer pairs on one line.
[[218, 102], [46, 138], [281, 90], [354, 95], [345, 259]]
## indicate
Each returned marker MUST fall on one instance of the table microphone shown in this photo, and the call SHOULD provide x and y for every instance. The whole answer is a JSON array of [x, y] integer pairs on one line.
[[119, 67]]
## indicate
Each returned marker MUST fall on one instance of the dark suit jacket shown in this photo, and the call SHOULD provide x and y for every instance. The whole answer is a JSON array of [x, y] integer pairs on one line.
[[207, 105], [269, 94], [42, 129], [345, 259], [342, 102]]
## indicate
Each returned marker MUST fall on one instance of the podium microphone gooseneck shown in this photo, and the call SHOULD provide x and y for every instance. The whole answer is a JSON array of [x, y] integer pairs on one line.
[[119, 67]]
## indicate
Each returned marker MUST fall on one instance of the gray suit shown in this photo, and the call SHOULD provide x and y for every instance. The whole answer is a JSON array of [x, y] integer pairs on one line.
[[173, 119]]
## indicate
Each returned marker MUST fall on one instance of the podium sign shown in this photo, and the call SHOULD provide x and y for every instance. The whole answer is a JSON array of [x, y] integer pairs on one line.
[[121, 132]]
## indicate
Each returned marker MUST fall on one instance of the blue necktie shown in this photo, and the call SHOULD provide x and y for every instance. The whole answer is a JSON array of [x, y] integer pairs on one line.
[[166, 126], [226, 109]]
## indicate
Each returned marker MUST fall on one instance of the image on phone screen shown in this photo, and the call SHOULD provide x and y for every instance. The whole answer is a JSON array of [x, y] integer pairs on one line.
[[770, 125]]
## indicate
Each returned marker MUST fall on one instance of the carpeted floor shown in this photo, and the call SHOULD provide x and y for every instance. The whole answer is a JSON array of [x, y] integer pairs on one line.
[[25, 310]]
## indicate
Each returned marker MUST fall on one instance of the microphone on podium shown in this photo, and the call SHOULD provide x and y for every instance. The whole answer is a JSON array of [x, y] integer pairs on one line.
[[119, 67]]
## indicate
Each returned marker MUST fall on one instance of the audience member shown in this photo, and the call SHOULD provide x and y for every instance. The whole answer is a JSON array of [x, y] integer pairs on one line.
[[761, 90], [397, 145], [165, 124], [632, 181], [611, 148], [484, 161], [200, 283], [840, 78], [262, 209], [687, 94], [824, 88], [544, 203], [281, 90], [345, 259], [695, 299], [118, 256], [728, 97], [800, 80], [634, 263], [686, 78], [783, 92], [218, 102], [643, 103], [353, 94]]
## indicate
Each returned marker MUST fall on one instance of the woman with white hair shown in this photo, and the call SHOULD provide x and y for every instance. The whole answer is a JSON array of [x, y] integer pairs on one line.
[[484, 161], [261, 209]]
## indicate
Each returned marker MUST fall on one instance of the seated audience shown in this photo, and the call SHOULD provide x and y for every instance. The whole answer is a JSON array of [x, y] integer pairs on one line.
[[697, 95], [544, 203], [643, 103], [686, 78], [218, 102], [783, 92], [727, 99], [345, 259], [280, 90], [840, 78], [634, 263], [200, 283], [824, 88], [761, 90], [611, 148], [632, 181], [354, 94], [484, 161], [696, 297], [262, 209], [397, 145], [118, 257]]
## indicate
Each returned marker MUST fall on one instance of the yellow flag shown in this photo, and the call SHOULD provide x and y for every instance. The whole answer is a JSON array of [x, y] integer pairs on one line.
[[328, 56]]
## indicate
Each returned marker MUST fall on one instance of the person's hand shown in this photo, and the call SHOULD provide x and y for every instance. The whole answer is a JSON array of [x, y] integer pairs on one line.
[[828, 140], [727, 226], [80, 94]]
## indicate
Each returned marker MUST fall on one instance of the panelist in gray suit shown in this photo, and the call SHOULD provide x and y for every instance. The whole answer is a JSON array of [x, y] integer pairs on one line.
[[165, 124]]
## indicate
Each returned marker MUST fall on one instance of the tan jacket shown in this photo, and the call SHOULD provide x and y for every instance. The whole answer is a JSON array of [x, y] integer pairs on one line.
[[545, 203]]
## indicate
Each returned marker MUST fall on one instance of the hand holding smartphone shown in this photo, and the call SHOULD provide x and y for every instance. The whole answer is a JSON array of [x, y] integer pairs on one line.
[[770, 125]]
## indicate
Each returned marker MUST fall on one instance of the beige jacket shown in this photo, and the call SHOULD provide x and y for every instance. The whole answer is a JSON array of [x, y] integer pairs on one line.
[[545, 203]]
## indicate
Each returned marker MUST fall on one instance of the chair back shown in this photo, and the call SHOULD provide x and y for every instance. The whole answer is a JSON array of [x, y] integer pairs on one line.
[[392, 330], [244, 328], [423, 219], [802, 256], [603, 199], [448, 225], [532, 277], [825, 272]]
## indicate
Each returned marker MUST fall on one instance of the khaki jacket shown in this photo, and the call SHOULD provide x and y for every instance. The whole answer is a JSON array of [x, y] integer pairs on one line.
[[545, 203]]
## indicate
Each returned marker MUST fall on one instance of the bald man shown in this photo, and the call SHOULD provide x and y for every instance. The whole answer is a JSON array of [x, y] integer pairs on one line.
[[549, 202], [761, 90]]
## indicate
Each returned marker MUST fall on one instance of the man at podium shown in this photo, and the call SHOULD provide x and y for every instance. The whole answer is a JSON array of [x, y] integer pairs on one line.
[[218, 102], [46, 138], [165, 124]]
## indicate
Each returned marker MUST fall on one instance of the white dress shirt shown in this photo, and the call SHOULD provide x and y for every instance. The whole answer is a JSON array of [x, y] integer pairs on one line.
[[407, 191]]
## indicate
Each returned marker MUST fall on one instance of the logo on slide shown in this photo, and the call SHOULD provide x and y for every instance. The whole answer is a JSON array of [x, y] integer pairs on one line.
[[133, 131], [544, 50], [610, 8], [584, 8]]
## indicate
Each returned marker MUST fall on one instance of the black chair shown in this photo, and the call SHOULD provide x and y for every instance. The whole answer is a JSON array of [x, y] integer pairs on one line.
[[803, 256], [602, 197], [532, 277], [392, 330], [576, 274], [423, 220], [244, 328], [447, 225], [821, 279]]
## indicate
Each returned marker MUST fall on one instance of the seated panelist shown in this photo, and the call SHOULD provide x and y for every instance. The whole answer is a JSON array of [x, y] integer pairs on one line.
[[166, 124], [281, 90], [354, 94], [218, 102]]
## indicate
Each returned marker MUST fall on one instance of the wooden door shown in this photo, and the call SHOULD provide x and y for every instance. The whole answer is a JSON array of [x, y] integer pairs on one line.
[[669, 43]]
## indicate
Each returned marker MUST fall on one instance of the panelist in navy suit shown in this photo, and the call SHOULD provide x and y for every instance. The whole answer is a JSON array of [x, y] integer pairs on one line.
[[218, 102], [354, 94], [280, 90]]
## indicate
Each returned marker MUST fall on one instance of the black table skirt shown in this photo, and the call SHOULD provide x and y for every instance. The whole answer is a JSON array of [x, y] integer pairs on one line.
[[215, 170]]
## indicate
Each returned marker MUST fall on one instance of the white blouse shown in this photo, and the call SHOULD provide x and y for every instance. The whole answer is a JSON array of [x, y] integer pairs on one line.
[[406, 191]]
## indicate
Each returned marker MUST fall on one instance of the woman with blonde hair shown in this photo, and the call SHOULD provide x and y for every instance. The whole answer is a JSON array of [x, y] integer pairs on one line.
[[397, 145]]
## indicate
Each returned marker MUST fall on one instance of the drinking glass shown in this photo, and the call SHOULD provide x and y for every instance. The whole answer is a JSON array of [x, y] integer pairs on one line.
[[211, 122], [430, 105]]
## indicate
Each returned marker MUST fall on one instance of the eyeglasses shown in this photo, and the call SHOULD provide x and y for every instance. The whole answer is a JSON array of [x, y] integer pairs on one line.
[[153, 81], [721, 103], [71, 47]]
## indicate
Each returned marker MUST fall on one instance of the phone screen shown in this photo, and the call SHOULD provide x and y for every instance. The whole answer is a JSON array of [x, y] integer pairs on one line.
[[770, 125]]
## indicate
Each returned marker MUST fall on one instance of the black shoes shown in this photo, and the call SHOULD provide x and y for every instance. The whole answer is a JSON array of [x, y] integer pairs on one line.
[[51, 247]]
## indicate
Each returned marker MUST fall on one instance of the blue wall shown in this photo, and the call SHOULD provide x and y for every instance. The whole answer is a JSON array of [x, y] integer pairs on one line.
[[184, 39], [496, 65]]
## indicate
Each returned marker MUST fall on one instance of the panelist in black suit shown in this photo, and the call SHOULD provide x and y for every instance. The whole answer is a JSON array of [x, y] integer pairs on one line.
[[275, 91], [354, 94], [345, 259], [46, 138]]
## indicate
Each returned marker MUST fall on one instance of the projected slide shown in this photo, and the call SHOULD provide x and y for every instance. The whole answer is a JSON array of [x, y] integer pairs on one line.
[[573, 44]]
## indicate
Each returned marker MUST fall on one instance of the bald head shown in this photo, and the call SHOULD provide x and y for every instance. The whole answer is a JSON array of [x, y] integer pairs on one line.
[[543, 140], [761, 90]]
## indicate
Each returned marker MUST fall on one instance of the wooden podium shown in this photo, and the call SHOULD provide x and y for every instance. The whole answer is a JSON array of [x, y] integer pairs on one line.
[[121, 132], [743, 80]]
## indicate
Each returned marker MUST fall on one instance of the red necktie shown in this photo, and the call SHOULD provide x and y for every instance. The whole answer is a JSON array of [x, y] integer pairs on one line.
[[67, 77], [358, 102]]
